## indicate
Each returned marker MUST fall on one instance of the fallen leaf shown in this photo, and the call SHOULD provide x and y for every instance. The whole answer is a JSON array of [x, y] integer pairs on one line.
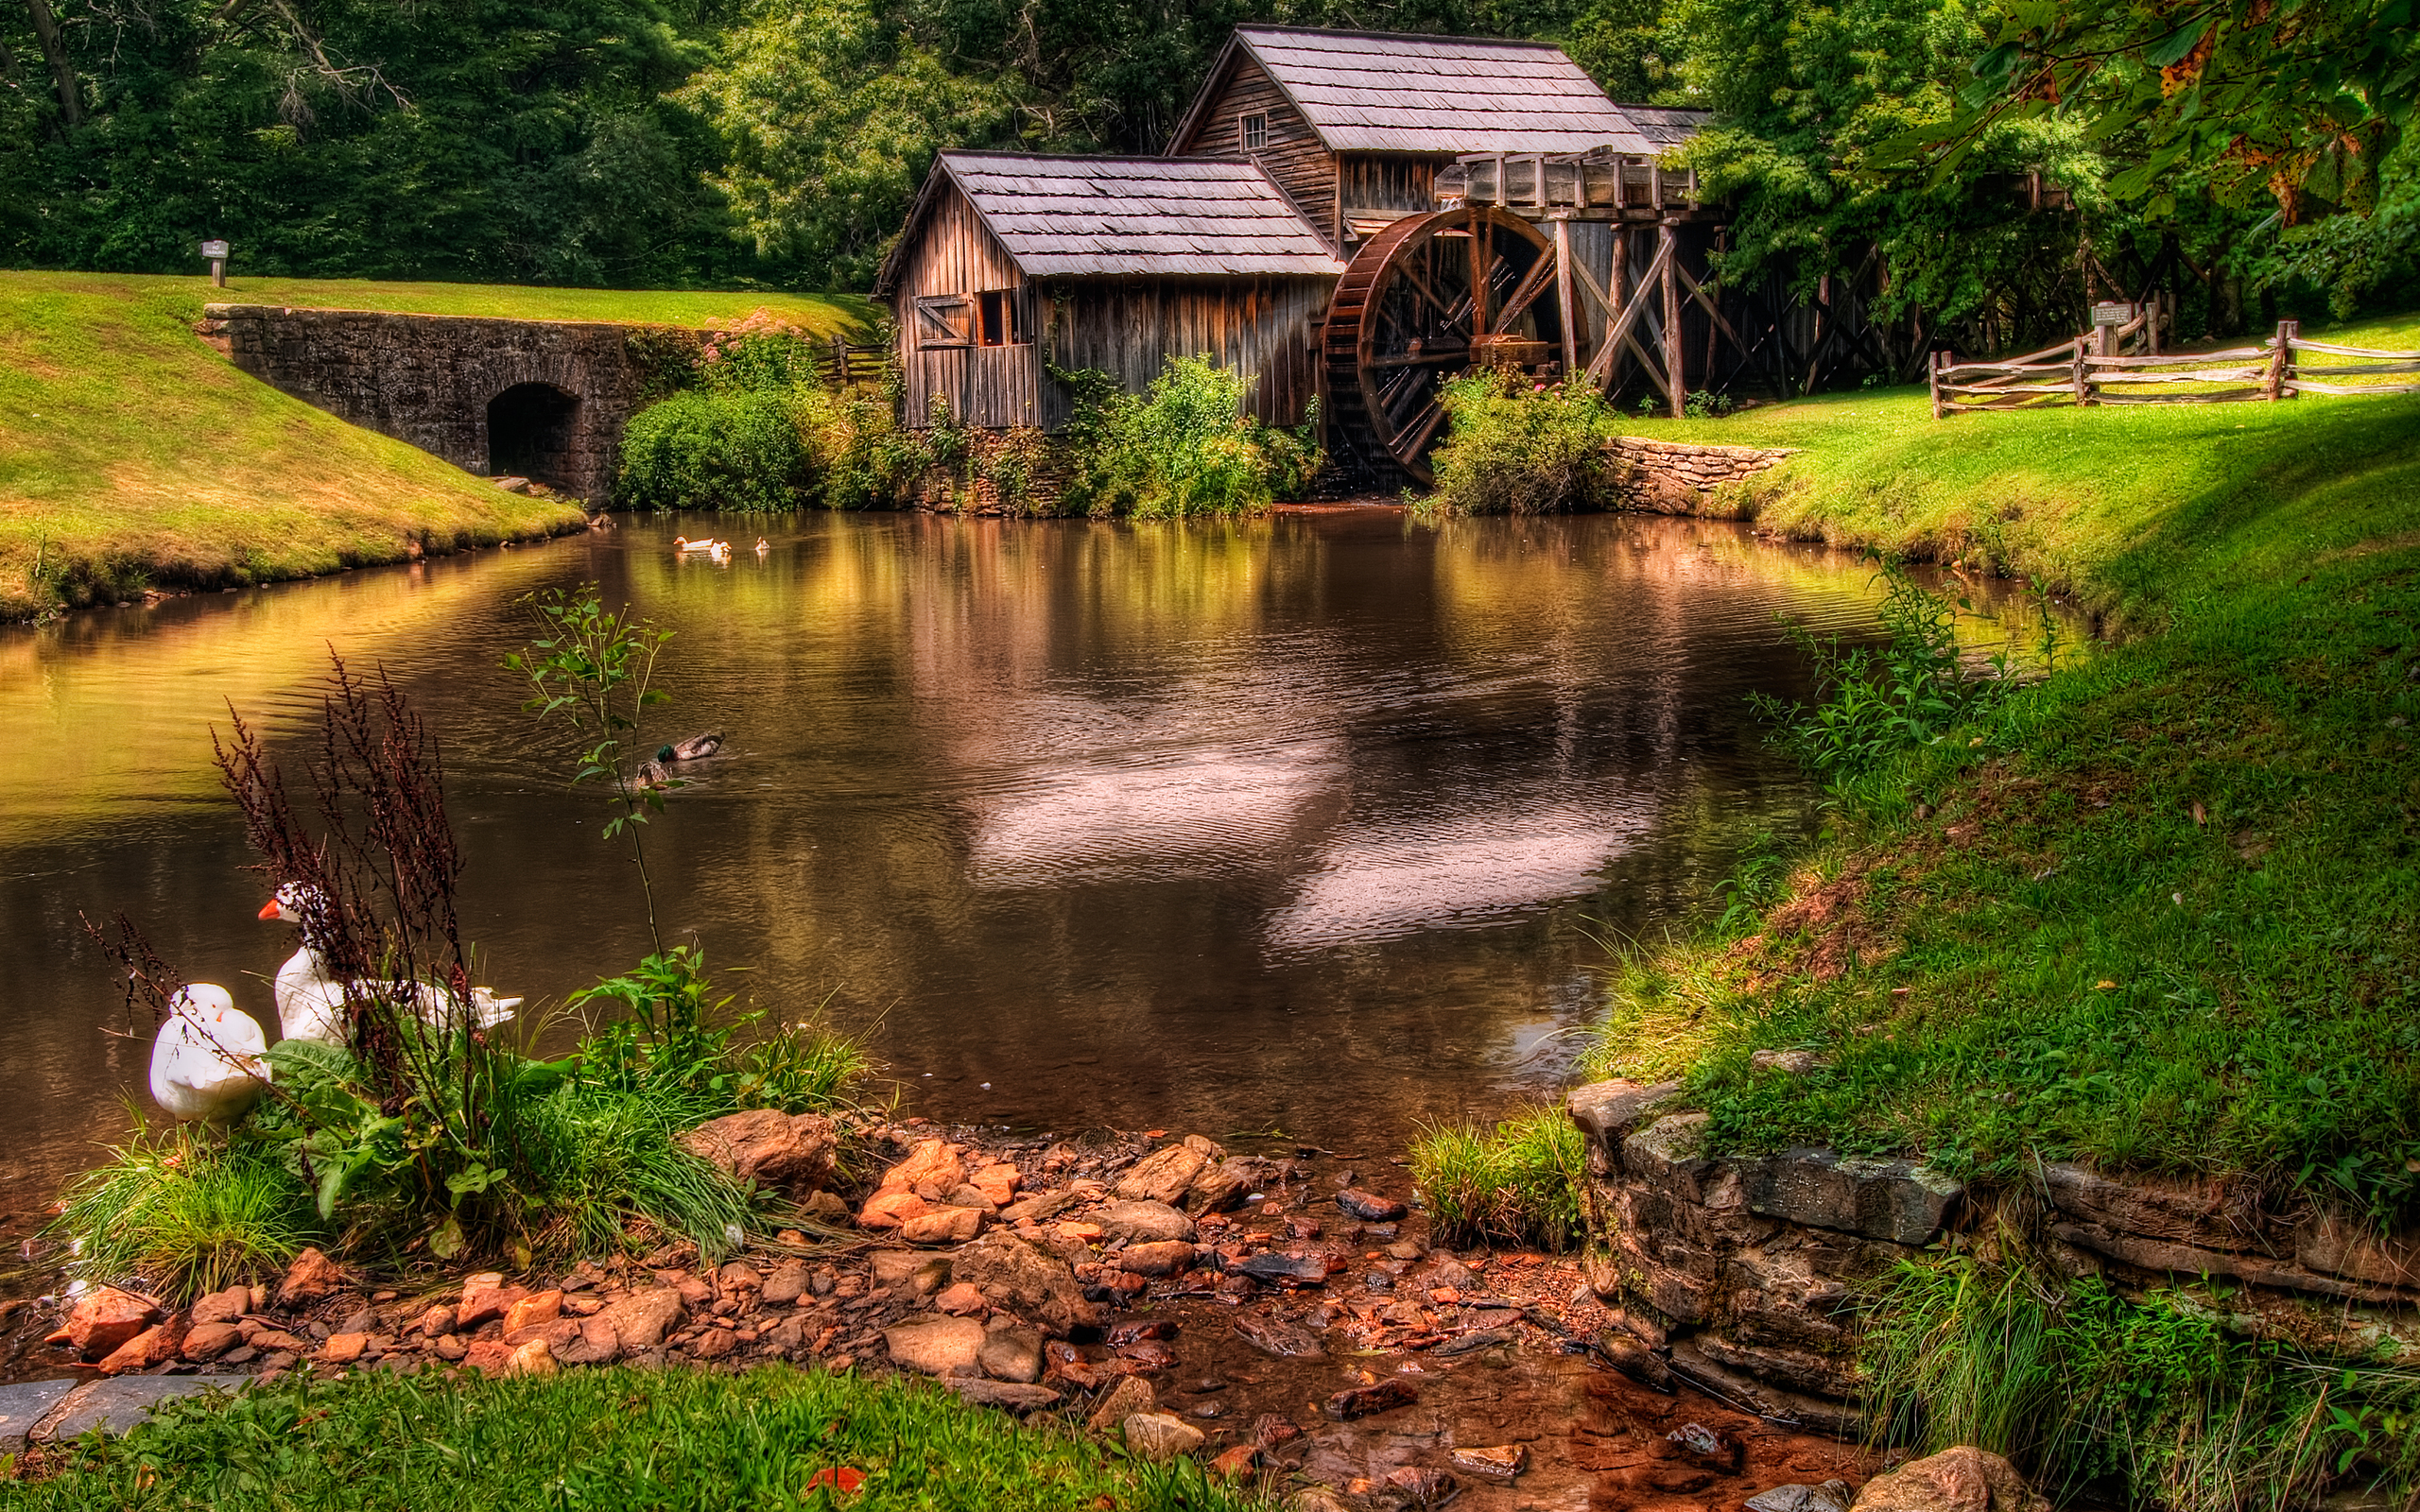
[[2201, 815], [2104, 985], [841, 1478]]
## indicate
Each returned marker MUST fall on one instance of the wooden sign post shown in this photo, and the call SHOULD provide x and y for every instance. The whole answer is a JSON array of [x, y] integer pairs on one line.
[[217, 252], [2106, 318]]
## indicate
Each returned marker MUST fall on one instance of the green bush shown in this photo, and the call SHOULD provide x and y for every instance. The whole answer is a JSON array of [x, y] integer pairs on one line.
[[1514, 447], [1517, 1184], [1185, 446], [862, 457], [738, 450]]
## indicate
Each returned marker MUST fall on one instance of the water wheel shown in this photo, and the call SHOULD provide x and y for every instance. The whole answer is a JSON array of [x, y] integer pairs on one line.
[[1427, 299]]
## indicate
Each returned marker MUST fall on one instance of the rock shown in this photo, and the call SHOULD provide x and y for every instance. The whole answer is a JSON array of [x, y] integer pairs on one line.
[[892, 1207], [998, 1182], [1218, 1187], [533, 1312], [156, 1345], [641, 1320], [598, 1343], [1787, 1062], [221, 1307], [115, 1406], [1162, 1176], [22, 1405], [1289, 1270], [1832, 1496], [942, 1226], [1282, 1337], [789, 1282], [105, 1318], [788, 1152], [1316, 1499], [1018, 1278], [1366, 1402], [1607, 1111], [739, 1277], [344, 1348], [1016, 1397], [1706, 1447], [1368, 1206], [485, 1297], [1423, 1486], [205, 1342], [1156, 1437], [1040, 1208], [933, 1168], [1269, 1431], [489, 1357], [1897, 1200], [1478, 1339], [1636, 1360], [452, 1346], [961, 1300], [532, 1359], [1011, 1352], [712, 1344], [827, 1209], [437, 1320], [1235, 1462], [1140, 1222], [1173, 1258], [943, 1347], [311, 1277], [268, 1340], [1502, 1463], [1132, 1395], [1964, 1479]]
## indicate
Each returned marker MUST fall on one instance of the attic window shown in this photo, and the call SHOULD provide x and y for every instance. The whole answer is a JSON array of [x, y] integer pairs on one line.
[[1254, 130], [1000, 322]]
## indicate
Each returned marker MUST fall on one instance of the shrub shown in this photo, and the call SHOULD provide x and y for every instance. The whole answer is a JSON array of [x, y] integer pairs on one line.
[[738, 451], [1514, 447], [861, 457], [1185, 446], [1517, 1184]]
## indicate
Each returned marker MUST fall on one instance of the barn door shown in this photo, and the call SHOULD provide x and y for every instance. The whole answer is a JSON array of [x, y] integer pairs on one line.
[[944, 320]]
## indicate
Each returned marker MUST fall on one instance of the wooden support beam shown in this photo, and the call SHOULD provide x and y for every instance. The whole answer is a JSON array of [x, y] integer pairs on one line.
[[1566, 307], [1666, 254]]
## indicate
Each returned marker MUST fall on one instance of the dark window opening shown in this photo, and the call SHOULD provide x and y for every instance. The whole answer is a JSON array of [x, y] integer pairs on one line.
[[531, 429], [1255, 131], [1000, 319]]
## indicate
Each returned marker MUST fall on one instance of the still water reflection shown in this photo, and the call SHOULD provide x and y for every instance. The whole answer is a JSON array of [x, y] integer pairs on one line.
[[1314, 822]]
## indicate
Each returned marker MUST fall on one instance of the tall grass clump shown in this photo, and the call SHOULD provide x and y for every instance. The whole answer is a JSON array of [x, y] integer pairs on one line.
[[189, 1212], [1516, 1184], [1185, 446], [1517, 447], [2152, 1401]]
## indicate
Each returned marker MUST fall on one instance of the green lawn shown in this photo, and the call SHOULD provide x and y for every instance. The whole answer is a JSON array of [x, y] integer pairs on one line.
[[662, 1440], [133, 457], [2161, 911]]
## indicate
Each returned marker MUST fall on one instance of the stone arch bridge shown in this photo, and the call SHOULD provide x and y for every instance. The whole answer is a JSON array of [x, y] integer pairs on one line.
[[545, 400]]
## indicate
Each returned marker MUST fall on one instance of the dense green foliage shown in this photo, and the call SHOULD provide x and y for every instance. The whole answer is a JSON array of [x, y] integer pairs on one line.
[[1516, 1184], [2087, 1391], [709, 451], [2155, 911], [626, 1440], [1512, 447], [1184, 446]]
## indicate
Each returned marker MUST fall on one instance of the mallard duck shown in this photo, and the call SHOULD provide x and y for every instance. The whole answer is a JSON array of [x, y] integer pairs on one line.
[[652, 776], [696, 748], [311, 1002], [206, 1061]]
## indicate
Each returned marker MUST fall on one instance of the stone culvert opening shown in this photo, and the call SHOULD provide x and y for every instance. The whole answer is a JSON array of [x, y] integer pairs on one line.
[[531, 433]]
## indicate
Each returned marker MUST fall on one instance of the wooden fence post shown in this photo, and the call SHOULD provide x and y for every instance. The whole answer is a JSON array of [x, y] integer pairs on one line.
[[2280, 355], [1932, 377], [2084, 395], [1668, 250]]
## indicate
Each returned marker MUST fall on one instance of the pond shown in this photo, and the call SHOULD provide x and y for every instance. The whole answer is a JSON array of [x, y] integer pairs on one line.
[[1322, 823]]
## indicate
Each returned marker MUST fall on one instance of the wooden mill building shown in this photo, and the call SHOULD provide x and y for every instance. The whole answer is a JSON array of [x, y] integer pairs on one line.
[[1350, 214]]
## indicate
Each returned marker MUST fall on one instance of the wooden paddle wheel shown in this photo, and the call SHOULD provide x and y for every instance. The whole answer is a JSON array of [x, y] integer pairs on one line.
[[1431, 298]]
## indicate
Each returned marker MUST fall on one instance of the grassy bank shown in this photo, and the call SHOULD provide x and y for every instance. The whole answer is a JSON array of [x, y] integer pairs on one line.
[[660, 1440], [2158, 911], [133, 456]]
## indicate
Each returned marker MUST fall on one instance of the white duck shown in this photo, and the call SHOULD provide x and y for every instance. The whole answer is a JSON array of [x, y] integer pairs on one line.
[[310, 1002], [710, 546], [206, 1061]]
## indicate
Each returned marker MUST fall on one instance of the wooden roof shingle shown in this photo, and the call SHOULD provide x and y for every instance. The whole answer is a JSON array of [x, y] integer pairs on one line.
[[1078, 217], [1381, 92]]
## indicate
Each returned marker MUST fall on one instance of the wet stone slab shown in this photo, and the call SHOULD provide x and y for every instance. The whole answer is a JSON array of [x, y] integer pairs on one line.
[[24, 1405], [116, 1405]]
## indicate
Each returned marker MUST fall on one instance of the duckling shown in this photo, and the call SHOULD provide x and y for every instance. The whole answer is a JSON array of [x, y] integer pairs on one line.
[[696, 748]]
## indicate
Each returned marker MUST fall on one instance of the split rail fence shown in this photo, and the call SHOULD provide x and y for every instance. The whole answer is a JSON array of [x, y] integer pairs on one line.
[[2081, 372], [845, 362]]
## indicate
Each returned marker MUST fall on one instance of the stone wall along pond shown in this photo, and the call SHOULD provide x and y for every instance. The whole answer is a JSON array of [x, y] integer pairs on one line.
[[1744, 1274]]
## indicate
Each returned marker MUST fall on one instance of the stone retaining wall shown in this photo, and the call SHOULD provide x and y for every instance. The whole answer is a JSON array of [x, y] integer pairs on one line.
[[1744, 1273], [1682, 477], [428, 380]]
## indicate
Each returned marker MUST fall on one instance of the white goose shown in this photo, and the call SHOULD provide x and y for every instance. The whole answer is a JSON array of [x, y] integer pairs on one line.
[[310, 1002], [206, 1061]]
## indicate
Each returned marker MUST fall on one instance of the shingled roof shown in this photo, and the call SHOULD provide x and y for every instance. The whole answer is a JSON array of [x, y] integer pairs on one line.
[[1380, 92], [1078, 216], [1666, 126]]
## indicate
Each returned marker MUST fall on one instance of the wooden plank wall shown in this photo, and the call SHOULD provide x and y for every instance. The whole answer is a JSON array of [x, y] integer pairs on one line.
[[1130, 327], [984, 385], [1294, 156], [1368, 181]]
